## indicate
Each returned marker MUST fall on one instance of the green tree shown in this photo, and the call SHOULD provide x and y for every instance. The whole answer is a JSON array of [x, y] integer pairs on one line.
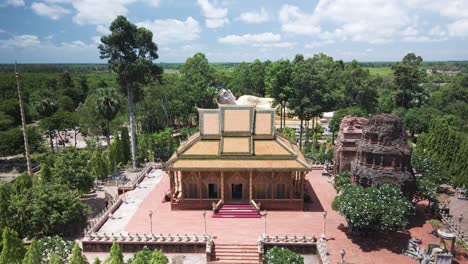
[[13, 250], [72, 168], [33, 254], [55, 210], [54, 259], [373, 209], [96, 261], [141, 257], [77, 257], [198, 76], [130, 52], [277, 79], [115, 256], [125, 145], [313, 83], [282, 255], [158, 257], [407, 76], [448, 146], [108, 105], [257, 75], [360, 88], [418, 120], [45, 103], [100, 165]]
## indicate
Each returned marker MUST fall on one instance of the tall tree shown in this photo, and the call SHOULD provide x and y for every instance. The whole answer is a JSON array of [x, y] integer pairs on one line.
[[77, 257], [13, 250], [115, 256], [407, 76], [108, 105], [33, 254], [277, 79], [45, 103], [360, 88], [198, 76], [130, 52]]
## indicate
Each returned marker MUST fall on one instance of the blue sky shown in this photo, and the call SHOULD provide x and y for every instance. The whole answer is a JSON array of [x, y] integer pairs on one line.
[[68, 31]]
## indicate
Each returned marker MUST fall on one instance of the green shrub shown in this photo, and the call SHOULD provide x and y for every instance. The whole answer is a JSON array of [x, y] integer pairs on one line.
[[281, 256], [341, 179]]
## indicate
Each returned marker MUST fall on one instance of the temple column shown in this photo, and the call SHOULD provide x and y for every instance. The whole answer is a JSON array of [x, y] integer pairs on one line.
[[222, 186], [200, 186], [250, 187], [302, 185], [291, 185], [171, 182], [181, 184], [270, 186]]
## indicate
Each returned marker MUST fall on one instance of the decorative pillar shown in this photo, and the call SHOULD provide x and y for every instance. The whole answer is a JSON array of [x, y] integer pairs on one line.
[[250, 187], [270, 185], [291, 186], [200, 186], [222, 186], [302, 185], [181, 184], [171, 182]]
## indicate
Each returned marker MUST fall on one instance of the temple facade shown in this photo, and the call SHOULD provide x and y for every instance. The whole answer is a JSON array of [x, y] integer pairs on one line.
[[237, 157]]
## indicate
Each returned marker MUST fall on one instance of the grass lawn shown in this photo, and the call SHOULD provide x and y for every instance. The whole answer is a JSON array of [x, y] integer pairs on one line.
[[382, 71]]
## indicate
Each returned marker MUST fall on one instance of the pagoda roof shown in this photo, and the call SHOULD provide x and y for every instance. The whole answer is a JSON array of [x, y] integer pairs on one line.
[[237, 138]]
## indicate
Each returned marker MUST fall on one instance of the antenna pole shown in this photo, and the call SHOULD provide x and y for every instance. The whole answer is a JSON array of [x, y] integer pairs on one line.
[[23, 123]]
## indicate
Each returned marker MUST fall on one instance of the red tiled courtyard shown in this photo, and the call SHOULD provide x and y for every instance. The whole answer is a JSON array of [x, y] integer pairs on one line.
[[247, 231]]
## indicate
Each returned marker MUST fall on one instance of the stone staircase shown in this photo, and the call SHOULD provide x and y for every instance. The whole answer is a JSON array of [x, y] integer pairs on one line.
[[237, 211], [236, 254]]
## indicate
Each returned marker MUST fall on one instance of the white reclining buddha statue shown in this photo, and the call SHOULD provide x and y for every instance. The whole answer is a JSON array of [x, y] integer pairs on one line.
[[226, 97]]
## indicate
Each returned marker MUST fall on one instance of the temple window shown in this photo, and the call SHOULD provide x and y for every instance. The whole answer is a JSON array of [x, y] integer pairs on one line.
[[260, 191], [212, 191], [280, 191], [192, 190]]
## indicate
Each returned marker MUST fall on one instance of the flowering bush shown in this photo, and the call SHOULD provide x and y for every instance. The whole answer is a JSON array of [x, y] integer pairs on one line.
[[341, 179], [282, 255], [374, 209]]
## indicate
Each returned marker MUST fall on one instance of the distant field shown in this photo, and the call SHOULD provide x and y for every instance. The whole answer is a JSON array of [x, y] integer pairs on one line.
[[382, 71]]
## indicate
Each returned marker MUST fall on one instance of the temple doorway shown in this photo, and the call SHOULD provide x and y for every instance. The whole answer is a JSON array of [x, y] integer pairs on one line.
[[236, 191]]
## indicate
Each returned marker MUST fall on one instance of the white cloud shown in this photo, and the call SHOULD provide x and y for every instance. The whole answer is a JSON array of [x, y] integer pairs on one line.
[[250, 38], [458, 28], [96, 39], [254, 17], [172, 30], [74, 44], [297, 22], [285, 45], [153, 3], [99, 12], [21, 41], [102, 29], [54, 12], [216, 17], [15, 2], [317, 44]]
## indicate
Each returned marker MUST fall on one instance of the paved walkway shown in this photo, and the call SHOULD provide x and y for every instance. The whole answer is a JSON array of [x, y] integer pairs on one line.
[[133, 200], [134, 218]]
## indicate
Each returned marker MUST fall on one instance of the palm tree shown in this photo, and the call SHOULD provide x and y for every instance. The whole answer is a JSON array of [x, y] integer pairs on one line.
[[108, 105], [45, 104]]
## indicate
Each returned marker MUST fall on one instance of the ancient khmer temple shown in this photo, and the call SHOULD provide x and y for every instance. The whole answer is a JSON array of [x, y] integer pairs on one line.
[[383, 155], [237, 158], [346, 143]]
